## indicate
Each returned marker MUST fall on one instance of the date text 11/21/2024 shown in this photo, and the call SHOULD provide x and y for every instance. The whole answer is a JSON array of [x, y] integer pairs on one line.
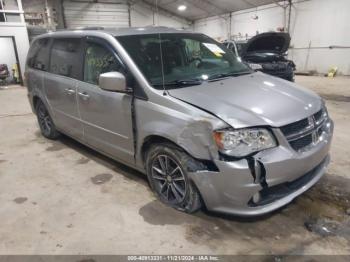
[[173, 258]]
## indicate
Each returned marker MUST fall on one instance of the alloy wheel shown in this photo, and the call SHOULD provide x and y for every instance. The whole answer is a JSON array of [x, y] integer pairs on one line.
[[169, 179], [44, 119]]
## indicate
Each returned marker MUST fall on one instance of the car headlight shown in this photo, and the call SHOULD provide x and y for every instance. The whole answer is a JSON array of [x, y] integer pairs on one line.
[[243, 142]]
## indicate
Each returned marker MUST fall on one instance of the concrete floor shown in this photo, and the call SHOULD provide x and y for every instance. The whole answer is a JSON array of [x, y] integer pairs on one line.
[[63, 198]]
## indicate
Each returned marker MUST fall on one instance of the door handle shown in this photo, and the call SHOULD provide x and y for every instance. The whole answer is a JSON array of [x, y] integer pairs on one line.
[[69, 91], [84, 95]]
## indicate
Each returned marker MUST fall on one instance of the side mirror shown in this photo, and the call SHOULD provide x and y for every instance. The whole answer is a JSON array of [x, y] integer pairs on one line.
[[113, 81]]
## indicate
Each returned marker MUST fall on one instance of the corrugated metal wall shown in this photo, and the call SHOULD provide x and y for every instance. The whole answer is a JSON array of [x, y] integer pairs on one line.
[[92, 13]]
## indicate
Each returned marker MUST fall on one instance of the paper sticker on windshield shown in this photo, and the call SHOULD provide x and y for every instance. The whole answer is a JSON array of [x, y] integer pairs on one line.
[[215, 49]]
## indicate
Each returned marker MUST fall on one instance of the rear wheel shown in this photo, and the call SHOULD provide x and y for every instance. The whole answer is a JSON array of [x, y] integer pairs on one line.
[[167, 174], [47, 127]]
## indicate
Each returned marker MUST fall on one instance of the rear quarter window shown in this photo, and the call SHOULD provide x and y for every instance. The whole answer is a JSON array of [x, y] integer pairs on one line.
[[38, 55], [66, 58]]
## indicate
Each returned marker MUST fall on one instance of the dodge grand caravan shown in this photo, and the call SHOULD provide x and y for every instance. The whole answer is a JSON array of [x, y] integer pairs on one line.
[[181, 108]]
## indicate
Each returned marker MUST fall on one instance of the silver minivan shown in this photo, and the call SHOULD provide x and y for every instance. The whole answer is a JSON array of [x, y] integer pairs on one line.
[[207, 130]]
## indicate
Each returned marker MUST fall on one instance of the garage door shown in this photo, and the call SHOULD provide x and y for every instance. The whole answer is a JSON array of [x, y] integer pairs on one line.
[[94, 13]]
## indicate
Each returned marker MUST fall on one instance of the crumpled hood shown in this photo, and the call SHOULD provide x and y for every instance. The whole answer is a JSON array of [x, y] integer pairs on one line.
[[252, 100]]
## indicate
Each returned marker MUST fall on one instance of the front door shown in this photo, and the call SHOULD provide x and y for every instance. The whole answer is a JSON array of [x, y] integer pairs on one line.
[[61, 84], [106, 115]]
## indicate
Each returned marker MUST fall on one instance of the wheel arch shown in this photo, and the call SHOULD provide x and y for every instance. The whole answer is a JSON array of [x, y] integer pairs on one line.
[[38, 96], [195, 164], [158, 139], [36, 99]]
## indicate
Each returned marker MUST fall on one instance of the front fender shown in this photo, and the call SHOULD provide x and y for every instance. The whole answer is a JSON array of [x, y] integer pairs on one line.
[[186, 126]]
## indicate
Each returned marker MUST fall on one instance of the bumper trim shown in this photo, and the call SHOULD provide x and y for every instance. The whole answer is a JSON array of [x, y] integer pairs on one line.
[[215, 202], [274, 193], [261, 210]]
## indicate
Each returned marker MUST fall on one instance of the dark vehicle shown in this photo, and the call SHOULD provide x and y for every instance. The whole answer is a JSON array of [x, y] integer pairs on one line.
[[266, 53]]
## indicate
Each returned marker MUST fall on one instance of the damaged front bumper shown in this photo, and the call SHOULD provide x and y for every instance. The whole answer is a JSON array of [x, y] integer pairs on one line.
[[285, 71], [277, 176]]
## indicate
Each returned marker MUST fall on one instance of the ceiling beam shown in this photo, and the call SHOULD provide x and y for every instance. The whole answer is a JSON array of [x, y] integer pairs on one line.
[[161, 10], [207, 5], [215, 10]]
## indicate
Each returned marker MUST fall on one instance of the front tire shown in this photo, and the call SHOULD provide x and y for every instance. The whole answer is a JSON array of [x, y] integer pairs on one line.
[[47, 126], [167, 167]]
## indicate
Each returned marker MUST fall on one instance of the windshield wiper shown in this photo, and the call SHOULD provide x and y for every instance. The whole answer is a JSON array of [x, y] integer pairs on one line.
[[222, 75], [180, 83]]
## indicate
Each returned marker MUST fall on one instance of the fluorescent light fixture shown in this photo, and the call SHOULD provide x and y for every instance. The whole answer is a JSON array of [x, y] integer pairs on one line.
[[181, 7]]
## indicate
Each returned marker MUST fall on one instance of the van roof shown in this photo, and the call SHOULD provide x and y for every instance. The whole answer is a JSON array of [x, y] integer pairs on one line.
[[117, 31]]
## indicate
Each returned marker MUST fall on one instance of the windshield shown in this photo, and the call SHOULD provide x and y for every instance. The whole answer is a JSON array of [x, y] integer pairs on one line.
[[188, 59]]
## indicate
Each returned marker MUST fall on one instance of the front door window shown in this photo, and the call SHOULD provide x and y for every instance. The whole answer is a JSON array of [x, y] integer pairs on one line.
[[99, 60]]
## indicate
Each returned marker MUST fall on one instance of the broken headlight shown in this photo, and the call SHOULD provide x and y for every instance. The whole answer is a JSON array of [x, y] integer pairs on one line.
[[243, 142]]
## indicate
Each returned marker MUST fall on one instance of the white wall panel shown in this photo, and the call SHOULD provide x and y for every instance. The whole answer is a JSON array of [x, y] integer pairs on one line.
[[90, 14], [22, 42], [7, 54], [321, 23], [143, 15], [217, 28], [269, 19]]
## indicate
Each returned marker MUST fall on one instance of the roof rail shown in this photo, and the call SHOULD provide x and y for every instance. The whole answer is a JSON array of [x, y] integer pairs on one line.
[[92, 28]]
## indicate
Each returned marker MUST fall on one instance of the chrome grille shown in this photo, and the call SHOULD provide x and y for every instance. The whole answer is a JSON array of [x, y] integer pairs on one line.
[[275, 67], [305, 132], [301, 142], [295, 127]]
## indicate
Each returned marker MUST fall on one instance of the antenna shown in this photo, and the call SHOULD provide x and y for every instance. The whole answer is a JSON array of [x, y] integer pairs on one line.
[[161, 53]]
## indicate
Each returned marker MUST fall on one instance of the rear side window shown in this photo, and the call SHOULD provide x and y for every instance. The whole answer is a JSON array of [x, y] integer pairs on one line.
[[38, 55], [66, 58]]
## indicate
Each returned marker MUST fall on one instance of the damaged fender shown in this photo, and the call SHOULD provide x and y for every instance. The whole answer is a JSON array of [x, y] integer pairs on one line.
[[190, 128], [197, 136]]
